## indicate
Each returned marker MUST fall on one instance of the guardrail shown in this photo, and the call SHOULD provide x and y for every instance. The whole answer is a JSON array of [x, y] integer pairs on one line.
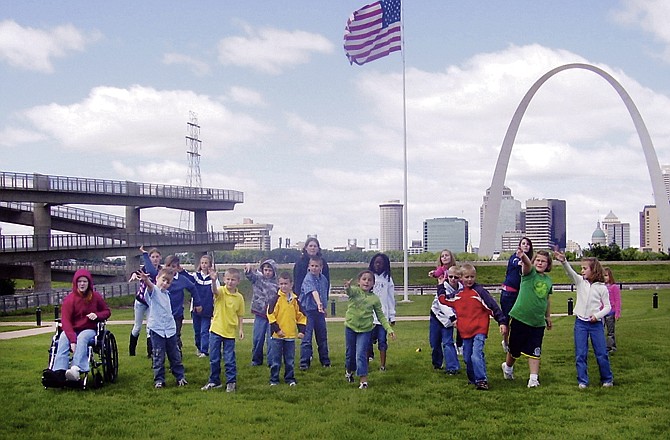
[[48, 242], [42, 182]]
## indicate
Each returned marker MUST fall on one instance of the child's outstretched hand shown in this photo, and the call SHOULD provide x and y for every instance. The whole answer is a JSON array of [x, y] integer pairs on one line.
[[392, 334], [519, 253], [559, 256], [347, 283], [212, 274], [141, 275]]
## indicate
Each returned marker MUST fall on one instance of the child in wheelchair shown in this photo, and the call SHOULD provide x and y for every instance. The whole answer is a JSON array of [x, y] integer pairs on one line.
[[82, 310]]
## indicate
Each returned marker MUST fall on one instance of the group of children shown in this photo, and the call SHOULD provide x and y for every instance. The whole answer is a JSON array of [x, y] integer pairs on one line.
[[526, 311], [280, 316]]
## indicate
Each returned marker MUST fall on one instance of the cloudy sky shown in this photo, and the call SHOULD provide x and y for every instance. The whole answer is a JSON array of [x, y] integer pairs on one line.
[[104, 90]]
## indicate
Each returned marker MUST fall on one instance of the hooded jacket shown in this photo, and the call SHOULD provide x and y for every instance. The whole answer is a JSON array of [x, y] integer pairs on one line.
[[76, 306], [264, 288]]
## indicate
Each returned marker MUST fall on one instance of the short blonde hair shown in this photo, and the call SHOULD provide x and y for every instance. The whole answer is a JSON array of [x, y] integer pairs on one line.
[[232, 272], [467, 267]]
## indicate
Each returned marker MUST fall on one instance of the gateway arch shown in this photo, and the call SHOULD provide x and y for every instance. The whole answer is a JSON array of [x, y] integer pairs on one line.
[[493, 209]]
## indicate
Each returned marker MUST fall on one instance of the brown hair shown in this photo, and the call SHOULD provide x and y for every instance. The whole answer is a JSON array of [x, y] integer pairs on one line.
[[608, 271], [544, 254], [285, 276], [597, 273]]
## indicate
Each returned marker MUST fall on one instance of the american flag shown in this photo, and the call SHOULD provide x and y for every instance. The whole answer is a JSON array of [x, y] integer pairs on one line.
[[373, 32]]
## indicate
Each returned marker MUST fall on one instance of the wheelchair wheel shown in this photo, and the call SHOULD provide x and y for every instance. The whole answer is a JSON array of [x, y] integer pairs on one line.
[[109, 357]]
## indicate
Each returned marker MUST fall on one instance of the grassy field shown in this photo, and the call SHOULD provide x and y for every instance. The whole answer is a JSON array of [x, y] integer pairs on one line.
[[410, 400]]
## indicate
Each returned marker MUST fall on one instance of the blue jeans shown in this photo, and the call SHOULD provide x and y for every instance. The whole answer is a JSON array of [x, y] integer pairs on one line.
[[442, 342], [356, 351], [380, 336], [279, 349], [316, 323], [201, 326], [215, 343], [141, 311], [583, 332], [80, 357], [473, 355], [260, 336], [160, 347], [507, 301]]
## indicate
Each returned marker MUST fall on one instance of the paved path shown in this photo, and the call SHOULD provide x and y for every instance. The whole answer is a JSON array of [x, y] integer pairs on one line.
[[48, 327]]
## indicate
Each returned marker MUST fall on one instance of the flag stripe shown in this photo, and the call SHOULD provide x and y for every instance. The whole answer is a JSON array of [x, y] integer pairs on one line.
[[366, 38]]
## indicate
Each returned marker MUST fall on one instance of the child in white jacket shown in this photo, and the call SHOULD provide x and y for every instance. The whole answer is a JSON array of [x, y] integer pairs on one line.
[[591, 306]]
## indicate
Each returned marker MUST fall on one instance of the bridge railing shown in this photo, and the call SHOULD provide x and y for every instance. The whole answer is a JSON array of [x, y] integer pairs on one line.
[[93, 217], [42, 182], [16, 243]]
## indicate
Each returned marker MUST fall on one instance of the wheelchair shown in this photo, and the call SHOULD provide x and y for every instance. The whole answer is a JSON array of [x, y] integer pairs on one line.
[[103, 357]]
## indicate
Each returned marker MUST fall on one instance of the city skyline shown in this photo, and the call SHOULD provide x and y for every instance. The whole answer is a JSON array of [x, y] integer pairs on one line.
[[316, 144]]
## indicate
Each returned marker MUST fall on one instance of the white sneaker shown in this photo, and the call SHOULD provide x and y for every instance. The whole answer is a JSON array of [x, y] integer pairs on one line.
[[533, 383], [505, 346], [72, 373], [231, 387], [211, 386], [459, 351], [608, 384], [363, 386], [508, 372], [583, 386]]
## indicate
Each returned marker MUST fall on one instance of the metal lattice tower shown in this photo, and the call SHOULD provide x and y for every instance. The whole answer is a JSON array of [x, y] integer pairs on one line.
[[193, 179]]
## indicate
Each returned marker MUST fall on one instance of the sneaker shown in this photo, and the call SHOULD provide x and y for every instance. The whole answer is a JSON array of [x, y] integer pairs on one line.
[[72, 373], [452, 372], [349, 377], [202, 355], [533, 383], [292, 384], [272, 384], [382, 368], [363, 386], [583, 386], [459, 351], [159, 385], [608, 384], [211, 386], [508, 372], [231, 387], [504, 346], [182, 382], [482, 385]]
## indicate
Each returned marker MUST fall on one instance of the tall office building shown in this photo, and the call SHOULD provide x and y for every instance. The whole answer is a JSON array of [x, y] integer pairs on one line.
[[254, 235], [445, 233], [509, 219], [390, 226], [650, 230], [666, 179], [546, 223], [615, 231]]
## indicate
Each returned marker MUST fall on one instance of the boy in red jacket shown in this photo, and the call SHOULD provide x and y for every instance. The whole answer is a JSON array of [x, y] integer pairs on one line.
[[474, 306]]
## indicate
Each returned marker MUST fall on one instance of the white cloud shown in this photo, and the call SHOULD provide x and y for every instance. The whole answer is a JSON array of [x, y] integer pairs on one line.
[[140, 121], [35, 49], [197, 67], [315, 138], [12, 136], [271, 50], [246, 96], [652, 16]]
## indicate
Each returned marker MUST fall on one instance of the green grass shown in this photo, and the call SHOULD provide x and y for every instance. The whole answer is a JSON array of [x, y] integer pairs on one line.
[[410, 400]]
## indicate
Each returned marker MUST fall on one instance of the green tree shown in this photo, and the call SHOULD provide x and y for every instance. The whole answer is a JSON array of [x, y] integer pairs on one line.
[[7, 287]]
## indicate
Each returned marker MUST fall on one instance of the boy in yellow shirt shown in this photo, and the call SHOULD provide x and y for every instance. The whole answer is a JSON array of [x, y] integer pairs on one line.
[[226, 326]]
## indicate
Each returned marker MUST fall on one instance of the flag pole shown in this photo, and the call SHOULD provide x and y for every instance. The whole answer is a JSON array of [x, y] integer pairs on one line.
[[405, 241]]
